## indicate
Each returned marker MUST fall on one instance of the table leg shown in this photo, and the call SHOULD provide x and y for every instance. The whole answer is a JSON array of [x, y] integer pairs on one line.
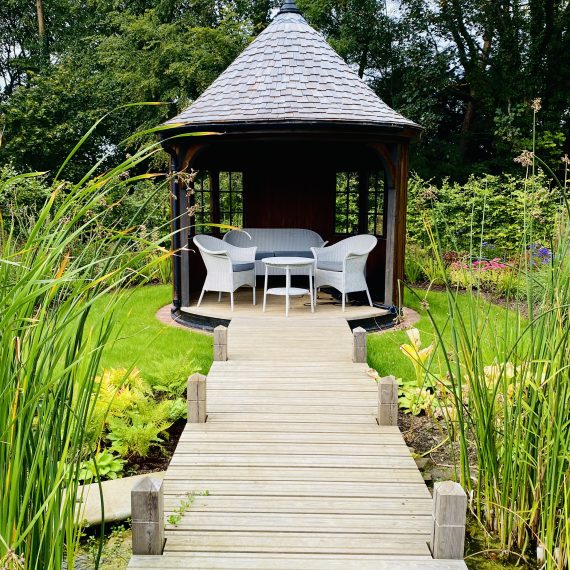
[[311, 290], [265, 290], [287, 287]]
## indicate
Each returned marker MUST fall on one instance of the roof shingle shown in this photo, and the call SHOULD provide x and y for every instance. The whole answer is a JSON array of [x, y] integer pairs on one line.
[[290, 74]]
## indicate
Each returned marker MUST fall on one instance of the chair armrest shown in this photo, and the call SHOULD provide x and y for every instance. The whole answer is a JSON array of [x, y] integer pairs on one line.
[[242, 254], [330, 253], [354, 262]]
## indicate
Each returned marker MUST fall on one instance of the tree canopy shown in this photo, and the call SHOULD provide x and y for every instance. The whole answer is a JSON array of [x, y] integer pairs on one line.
[[467, 70]]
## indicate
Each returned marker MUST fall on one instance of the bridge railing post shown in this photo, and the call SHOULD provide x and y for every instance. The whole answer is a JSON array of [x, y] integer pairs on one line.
[[196, 399], [147, 514], [449, 514], [359, 353], [388, 401], [221, 343]]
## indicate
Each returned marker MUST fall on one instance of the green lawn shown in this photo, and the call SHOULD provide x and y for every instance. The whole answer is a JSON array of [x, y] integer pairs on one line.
[[163, 354], [384, 349], [166, 354]]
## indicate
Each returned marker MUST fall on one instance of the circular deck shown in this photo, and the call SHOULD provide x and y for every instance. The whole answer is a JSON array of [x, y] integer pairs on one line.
[[212, 313]]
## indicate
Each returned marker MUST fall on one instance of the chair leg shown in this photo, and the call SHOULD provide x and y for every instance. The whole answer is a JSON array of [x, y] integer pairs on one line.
[[343, 300], [232, 301], [369, 297], [201, 296], [219, 296], [253, 295]]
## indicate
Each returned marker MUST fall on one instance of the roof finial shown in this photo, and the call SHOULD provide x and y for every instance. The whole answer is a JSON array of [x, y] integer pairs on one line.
[[289, 6]]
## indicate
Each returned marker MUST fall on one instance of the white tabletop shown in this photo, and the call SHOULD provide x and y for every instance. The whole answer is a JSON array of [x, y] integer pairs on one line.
[[284, 261]]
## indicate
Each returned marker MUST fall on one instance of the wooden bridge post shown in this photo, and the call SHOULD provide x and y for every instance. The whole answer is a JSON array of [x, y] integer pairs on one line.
[[359, 352], [196, 398], [221, 343], [147, 514], [388, 401], [449, 513]]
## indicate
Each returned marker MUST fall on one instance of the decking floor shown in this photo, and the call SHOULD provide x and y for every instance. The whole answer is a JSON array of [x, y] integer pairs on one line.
[[298, 473], [326, 307]]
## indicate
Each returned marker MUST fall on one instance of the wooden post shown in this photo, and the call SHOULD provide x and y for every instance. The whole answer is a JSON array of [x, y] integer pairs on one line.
[[147, 513], [388, 401], [359, 352], [391, 213], [221, 343], [448, 533], [196, 397]]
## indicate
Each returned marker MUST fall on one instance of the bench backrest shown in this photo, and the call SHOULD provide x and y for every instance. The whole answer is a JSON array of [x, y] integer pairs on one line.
[[275, 239]]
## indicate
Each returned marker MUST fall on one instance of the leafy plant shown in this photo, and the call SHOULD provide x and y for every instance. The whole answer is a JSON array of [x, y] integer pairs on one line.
[[185, 504], [416, 395], [115, 549], [105, 465], [127, 414], [431, 269], [169, 374]]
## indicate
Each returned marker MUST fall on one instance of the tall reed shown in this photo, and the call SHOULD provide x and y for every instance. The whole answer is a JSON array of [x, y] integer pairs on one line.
[[511, 412], [50, 348]]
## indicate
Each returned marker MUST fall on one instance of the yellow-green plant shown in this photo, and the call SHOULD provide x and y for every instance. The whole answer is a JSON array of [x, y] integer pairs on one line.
[[127, 415], [416, 395]]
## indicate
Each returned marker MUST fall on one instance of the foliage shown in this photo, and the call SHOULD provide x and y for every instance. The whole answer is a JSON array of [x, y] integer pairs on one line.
[[128, 416], [104, 465], [416, 395], [463, 70], [485, 212], [50, 349], [413, 272], [510, 412], [21, 199], [384, 352], [116, 551], [111, 55]]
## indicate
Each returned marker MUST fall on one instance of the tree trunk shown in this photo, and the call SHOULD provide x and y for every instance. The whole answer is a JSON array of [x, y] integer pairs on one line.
[[363, 62], [41, 20], [42, 37]]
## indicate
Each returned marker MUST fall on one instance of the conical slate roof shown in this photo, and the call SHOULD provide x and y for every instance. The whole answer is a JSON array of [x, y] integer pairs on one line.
[[290, 75]]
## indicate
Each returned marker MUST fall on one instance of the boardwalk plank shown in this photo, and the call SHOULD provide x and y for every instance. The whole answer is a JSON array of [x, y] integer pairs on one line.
[[298, 473]]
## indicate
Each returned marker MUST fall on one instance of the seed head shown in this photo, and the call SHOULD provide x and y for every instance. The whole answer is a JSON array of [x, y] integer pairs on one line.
[[536, 104], [566, 160], [525, 158]]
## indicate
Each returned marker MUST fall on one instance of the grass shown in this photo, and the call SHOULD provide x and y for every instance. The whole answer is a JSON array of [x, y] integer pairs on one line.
[[159, 351], [384, 353]]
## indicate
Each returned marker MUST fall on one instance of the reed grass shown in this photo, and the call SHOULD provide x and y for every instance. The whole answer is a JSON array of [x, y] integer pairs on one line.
[[51, 343], [510, 414]]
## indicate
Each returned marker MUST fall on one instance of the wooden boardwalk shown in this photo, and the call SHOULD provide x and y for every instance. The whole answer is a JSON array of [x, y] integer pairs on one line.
[[297, 472]]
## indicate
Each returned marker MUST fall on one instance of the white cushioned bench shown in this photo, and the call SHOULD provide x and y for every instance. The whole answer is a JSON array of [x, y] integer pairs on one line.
[[276, 242]]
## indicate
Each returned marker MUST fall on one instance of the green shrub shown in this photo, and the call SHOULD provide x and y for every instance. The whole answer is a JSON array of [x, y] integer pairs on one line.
[[488, 212]]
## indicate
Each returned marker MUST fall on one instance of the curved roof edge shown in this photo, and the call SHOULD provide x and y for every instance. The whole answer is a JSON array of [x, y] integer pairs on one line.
[[289, 75]]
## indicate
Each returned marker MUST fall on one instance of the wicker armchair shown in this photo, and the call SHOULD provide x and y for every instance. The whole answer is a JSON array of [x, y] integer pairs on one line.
[[342, 265], [229, 267]]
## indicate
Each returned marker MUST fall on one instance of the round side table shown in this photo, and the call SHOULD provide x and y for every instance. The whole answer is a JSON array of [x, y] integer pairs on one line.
[[288, 263]]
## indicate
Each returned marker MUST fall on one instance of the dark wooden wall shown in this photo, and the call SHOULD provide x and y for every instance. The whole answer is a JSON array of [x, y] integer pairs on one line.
[[292, 184]]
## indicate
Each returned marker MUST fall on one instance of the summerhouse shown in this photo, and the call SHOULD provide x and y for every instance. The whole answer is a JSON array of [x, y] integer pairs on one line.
[[290, 137]]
